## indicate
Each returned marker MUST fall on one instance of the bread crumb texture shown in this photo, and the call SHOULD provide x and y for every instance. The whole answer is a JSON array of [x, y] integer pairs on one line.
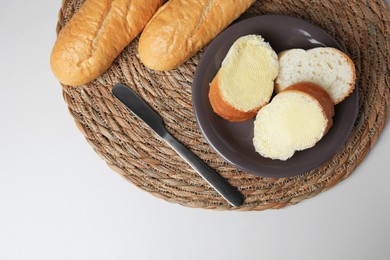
[[325, 66]]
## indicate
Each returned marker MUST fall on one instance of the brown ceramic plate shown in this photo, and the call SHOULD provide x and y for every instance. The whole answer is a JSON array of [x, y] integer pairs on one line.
[[233, 141]]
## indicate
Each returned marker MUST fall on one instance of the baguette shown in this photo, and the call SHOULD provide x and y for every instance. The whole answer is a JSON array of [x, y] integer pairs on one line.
[[95, 35], [328, 67], [181, 28], [296, 119], [245, 81]]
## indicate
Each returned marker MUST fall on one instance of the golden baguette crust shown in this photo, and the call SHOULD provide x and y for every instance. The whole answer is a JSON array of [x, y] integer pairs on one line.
[[224, 109], [95, 36], [319, 94], [181, 28]]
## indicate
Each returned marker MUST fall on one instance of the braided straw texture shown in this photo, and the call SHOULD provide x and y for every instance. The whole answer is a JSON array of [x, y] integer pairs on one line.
[[130, 148]]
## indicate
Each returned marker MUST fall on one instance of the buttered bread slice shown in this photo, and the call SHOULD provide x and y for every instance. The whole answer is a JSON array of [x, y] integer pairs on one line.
[[328, 67], [296, 119], [245, 81]]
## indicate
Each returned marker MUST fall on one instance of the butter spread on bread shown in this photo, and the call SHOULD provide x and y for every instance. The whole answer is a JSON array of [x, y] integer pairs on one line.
[[181, 28], [296, 119], [245, 81], [328, 67], [95, 35]]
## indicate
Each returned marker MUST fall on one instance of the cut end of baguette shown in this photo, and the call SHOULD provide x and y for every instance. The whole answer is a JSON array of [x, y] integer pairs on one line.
[[328, 67], [244, 82], [296, 119]]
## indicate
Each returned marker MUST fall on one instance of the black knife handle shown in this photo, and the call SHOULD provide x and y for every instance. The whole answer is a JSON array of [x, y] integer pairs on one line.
[[221, 185]]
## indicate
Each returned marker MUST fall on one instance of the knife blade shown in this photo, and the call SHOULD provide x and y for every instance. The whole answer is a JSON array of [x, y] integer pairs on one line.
[[143, 111]]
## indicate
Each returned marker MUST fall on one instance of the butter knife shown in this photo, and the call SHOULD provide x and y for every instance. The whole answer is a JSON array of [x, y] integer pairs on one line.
[[143, 111]]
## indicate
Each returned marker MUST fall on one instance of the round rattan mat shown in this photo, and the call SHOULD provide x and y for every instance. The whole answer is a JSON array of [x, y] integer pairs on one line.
[[130, 148]]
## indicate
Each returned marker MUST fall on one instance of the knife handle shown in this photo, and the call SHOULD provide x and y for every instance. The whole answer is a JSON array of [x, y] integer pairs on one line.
[[221, 185]]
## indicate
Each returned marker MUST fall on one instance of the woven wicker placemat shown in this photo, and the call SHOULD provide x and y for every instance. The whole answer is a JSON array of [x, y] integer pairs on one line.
[[130, 148]]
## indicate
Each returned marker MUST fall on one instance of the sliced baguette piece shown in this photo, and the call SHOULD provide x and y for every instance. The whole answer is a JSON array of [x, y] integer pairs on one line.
[[325, 66], [245, 81], [296, 119]]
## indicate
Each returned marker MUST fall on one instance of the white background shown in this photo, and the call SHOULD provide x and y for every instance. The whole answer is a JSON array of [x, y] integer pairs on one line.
[[58, 199]]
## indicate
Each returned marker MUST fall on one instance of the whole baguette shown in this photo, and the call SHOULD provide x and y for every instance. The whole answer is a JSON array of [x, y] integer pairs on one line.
[[181, 28], [95, 35]]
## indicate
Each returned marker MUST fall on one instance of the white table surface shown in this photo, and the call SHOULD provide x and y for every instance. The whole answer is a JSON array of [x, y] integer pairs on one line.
[[58, 199]]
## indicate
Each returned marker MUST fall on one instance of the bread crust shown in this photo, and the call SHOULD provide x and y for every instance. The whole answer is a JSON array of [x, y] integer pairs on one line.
[[319, 94], [224, 109], [182, 27], [352, 84], [96, 34]]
